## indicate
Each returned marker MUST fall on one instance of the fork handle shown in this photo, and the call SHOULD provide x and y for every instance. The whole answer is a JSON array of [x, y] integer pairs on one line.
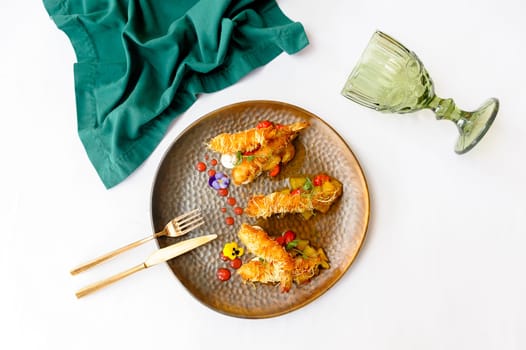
[[101, 284], [107, 256]]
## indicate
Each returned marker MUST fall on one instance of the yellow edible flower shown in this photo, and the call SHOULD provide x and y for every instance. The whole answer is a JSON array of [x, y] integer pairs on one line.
[[232, 250]]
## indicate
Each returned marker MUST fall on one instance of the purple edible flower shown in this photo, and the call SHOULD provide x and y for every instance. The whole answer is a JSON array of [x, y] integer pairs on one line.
[[219, 180]]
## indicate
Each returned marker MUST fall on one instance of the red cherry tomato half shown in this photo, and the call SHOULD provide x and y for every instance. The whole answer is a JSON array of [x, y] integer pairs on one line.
[[231, 201], [223, 192], [236, 263], [280, 240], [213, 162], [200, 166], [264, 124], [296, 191], [211, 172], [289, 236], [275, 171], [238, 210], [229, 220], [320, 179], [223, 274]]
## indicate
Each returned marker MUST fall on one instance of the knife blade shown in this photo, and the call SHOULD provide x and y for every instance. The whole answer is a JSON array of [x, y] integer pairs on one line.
[[159, 256], [176, 249]]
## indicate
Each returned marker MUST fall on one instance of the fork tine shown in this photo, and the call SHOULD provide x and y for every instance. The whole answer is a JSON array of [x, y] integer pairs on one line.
[[188, 229], [187, 219], [189, 222], [185, 215]]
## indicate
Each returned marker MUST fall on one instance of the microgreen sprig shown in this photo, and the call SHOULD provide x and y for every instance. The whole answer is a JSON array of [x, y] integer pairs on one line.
[[240, 156], [307, 186]]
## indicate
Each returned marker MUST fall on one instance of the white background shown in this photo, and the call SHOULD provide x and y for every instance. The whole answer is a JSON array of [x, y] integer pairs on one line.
[[443, 266]]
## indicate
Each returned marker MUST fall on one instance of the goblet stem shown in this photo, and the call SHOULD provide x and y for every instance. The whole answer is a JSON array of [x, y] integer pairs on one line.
[[445, 108], [472, 126]]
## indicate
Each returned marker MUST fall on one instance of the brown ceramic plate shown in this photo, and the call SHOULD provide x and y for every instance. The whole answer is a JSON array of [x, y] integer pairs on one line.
[[179, 187]]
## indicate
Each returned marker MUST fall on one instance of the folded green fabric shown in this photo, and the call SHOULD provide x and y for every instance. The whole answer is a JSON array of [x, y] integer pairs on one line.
[[142, 63]]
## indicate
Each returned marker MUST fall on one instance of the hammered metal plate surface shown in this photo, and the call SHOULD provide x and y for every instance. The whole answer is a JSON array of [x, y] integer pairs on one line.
[[179, 188]]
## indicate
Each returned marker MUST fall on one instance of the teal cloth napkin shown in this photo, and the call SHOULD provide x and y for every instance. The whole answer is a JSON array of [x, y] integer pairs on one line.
[[142, 63]]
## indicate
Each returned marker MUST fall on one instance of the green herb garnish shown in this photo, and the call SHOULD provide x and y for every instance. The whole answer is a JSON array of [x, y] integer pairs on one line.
[[292, 244], [307, 186], [239, 158], [249, 158]]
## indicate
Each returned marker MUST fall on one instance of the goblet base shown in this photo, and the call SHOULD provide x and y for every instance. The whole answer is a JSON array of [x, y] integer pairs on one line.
[[473, 128]]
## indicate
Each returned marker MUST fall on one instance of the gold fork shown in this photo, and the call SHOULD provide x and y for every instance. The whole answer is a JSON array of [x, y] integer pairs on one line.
[[176, 227]]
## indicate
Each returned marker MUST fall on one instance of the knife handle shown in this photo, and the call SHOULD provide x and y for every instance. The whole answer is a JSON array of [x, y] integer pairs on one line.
[[107, 256], [101, 284]]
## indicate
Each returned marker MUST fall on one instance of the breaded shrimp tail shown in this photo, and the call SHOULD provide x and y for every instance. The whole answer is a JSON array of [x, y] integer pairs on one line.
[[244, 141], [264, 206], [251, 139]]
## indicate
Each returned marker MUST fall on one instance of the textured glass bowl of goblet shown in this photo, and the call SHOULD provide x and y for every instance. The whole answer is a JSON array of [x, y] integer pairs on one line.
[[391, 78]]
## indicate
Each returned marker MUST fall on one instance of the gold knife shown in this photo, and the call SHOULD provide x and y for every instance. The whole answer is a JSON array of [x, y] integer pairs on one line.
[[155, 258]]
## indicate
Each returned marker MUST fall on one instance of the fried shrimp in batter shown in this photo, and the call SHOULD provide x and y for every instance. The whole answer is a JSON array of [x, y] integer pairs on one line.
[[295, 261], [304, 197], [266, 147], [273, 265]]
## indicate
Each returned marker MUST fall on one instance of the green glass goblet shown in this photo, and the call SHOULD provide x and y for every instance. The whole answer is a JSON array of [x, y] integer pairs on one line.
[[390, 78]]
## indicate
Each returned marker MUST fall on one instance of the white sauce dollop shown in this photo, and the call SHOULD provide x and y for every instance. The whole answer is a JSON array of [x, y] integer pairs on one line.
[[229, 160]]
